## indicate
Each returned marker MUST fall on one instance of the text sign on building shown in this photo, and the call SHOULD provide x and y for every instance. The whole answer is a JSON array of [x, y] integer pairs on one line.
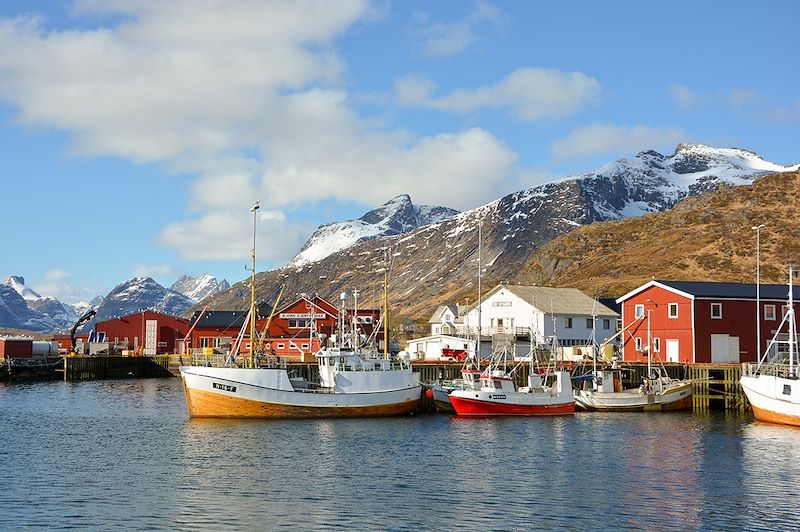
[[501, 303], [294, 316]]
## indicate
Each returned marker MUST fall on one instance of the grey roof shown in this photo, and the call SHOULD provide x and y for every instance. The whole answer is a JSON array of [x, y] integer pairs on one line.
[[732, 290], [557, 300], [221, 318], [436, 315]]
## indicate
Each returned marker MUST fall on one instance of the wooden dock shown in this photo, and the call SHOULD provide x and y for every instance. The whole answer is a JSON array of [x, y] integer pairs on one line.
[[115, 367]]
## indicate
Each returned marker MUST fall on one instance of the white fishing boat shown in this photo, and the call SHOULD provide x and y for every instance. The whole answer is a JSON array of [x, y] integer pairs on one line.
[[602, 390], [440, 392], [772, 385], [353, 382]]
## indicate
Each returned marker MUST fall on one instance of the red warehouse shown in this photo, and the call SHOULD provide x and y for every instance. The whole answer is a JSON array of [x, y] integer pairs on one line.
[[154, 332], [699, 322]]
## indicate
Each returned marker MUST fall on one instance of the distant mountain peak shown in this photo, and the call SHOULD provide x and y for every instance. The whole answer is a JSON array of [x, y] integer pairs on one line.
[[199, 287], [397, 216], [17, 282]]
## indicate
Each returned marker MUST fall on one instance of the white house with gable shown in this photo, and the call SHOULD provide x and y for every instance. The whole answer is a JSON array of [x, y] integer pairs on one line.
[[542, 311]]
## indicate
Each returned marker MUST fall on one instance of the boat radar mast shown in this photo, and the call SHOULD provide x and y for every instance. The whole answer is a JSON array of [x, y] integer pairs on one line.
[[252, 269]]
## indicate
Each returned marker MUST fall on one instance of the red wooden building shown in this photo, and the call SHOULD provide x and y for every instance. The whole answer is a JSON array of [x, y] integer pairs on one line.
[[153, 331], [289, 332], [699, 322]]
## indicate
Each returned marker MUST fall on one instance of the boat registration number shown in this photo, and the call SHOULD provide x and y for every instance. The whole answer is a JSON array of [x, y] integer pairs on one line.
[[497, 396], [223, 387]]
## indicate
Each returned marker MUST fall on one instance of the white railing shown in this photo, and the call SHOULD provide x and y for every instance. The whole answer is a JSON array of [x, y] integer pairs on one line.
[[783, 371]]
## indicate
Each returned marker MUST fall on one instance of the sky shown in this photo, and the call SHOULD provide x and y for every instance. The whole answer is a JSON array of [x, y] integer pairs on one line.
[[136, 135]]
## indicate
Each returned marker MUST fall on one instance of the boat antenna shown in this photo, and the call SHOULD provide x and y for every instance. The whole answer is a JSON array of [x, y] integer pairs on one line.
[[253, 209]]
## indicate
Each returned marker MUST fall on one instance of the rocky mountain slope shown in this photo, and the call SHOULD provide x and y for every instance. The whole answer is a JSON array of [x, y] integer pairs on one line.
[[704, 238], [437, 263], [397, 216], [142, 293], [199, 287], [31, 311]]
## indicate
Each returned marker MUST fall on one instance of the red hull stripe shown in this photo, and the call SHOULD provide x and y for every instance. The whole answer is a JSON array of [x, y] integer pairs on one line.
[[471, 407]]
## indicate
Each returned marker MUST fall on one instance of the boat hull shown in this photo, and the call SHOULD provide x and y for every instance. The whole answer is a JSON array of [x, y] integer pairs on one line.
[[441, 398], [676, 398], [466, 406], [211, 396], [769, 402]]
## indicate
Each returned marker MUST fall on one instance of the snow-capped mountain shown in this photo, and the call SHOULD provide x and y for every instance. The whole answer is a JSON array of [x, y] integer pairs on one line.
[[200, 287], [82, 307], [42, 314], [397, 216], [141, 293], [436, 263], [17, 282]]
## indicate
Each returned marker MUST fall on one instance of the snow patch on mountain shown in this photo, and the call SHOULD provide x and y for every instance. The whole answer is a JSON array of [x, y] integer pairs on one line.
[[200, 287], [17, 282], [139, 294], [397, 216]]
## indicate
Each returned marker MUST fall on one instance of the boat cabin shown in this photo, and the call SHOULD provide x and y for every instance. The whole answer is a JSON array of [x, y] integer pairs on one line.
[[497, 380]]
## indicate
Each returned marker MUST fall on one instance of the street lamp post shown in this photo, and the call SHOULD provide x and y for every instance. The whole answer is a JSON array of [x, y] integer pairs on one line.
[[757, 229]]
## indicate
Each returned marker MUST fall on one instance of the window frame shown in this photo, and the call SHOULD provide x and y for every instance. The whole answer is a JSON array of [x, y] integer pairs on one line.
[[774, 313], [567, 322], [656, 345], [717, 306], [637, 344], [670, 315], [636, 309]]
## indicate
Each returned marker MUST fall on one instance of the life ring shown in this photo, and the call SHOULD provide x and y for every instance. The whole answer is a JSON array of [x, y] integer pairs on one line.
[[267, 345]]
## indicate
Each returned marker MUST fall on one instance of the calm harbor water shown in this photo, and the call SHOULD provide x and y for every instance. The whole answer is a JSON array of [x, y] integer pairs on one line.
[[124, 454]]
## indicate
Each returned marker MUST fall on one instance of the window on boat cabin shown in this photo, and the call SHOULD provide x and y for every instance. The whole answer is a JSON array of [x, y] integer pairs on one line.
[[787, 389], [589, 323], [568, 323], [638, 311], [769, 312], [638, 344], [716, 311], [606, 323], [672, 310], [657, 345]]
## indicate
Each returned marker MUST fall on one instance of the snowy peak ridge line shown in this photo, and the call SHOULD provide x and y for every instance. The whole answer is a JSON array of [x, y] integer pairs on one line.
[[199, 287], [140, 294], [17, 282], [397, 216]]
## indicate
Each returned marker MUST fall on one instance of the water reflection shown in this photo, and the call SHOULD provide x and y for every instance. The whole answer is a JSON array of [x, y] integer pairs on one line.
[[125, 454]]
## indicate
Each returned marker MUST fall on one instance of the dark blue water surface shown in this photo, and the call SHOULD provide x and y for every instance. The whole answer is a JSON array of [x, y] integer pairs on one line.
[[124, 454]]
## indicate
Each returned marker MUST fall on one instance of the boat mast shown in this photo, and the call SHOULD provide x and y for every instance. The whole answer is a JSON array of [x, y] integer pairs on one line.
[[354, 323], [386, 311], [253, 209], [792, 331], [649, 354], [478, 342]]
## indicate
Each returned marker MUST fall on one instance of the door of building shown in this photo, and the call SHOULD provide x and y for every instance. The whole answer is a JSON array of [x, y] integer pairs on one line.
[[673, 353], [150, 337], [724, 349]]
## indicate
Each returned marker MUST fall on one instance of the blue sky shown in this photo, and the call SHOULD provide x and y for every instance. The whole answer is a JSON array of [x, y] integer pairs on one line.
[[135, 135]]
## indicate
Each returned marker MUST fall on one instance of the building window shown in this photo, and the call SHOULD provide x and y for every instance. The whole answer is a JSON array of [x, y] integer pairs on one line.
[[205, 341], [657, 345], [589, 323], [716, 311], [638, 344], [281, 346], [769, 312], [638, 311], [568, 322], [672, 310], [606, 324]]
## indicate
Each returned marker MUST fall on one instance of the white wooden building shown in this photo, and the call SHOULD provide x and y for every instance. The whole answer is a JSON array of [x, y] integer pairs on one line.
[[430, 347], [541, 311]]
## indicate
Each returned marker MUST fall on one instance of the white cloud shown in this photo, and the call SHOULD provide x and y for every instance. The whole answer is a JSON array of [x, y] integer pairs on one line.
[[528, 93], [602, 139], [55, 283], [739, 98], [228, 234], [442, 39], [154, 270], [248, 96], [684, 97]]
